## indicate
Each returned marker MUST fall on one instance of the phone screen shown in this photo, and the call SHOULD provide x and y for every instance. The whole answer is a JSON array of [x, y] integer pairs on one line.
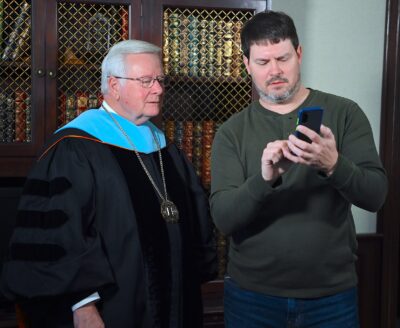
[[310, 117]]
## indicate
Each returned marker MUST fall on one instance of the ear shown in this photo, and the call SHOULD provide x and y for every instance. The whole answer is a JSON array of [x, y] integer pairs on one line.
[[246, 63], [113, 87], [299, 52]]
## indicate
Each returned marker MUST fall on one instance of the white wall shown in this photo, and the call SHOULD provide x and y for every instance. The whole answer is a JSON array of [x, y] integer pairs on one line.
[[343, 47]]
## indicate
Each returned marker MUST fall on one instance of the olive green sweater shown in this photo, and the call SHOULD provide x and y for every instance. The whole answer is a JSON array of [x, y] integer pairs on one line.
[[297, 238]]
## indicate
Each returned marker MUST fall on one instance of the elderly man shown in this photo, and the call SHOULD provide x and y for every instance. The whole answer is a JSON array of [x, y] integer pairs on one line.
[[113, 227]]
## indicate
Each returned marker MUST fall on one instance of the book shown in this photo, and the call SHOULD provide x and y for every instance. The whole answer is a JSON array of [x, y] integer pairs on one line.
[[70, 107], [1, 24], [187, 143], [124, 23], [82, 99], [174, 44], [228, 49], [62, 119], [9, 119], [207, 139], [178, 134], [93, 101], [193, 46], [170, 130], [22, 43], [21, 25], [166, 42], [20, 115], [28, 117], [236, 50], [197, 147], [3, 99]]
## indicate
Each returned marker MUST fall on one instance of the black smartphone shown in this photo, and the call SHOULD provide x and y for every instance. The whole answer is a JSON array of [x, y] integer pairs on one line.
[[310, 117]]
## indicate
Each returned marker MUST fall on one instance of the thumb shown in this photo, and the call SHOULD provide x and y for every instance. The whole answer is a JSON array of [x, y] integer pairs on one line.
[[325, 132]]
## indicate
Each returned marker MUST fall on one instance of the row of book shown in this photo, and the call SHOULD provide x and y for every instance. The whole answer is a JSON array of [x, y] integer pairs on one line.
[[195, 139], [195, 46], [72, 104], [15, 117]]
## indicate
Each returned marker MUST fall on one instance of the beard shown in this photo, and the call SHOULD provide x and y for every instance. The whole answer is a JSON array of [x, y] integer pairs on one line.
[[279, 97]]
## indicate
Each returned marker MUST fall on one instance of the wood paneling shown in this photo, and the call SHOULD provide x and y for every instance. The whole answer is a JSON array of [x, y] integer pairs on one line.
[[388, 217]]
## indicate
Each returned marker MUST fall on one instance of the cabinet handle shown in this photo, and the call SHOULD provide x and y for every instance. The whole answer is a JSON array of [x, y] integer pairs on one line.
[[40, 72], [52, 74]]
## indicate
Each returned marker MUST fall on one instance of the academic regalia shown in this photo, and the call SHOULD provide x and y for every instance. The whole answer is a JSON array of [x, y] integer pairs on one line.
[[89, 221]]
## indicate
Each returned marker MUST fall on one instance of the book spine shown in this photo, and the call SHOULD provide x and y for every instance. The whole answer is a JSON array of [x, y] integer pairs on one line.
[[219, 32], [1, 24], [193, 45], [19, 25], [187, 145], [228, 48], [70, 107], [81, 102], [100, 99], [28, 117], [62, 117], [174, 44], [22, 42], [92, 101], [3, 106], [203, 47], [237, 62], [178, 135], [207, 139], [20, 115], [170, 130], [124, 23], [166, 42], [9, 119], [197, 148]]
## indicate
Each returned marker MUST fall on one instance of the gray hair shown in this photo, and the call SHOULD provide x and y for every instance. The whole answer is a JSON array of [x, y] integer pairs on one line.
[[114, 62]]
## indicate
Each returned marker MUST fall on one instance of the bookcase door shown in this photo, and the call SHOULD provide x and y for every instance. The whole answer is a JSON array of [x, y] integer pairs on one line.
[[21, 85], [208, 81]]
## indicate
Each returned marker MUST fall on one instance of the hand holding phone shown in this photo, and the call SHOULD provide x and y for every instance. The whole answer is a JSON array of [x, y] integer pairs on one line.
[[310, 117]]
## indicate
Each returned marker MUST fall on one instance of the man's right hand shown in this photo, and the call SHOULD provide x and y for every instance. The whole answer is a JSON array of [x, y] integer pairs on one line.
[[273, 162], [87, 316]]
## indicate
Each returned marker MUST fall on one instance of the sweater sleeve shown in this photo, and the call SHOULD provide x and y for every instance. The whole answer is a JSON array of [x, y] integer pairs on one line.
[[359, 175], [233, 195]]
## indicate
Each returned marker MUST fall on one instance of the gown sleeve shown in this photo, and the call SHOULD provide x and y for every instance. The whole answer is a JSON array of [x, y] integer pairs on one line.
[[55, 249]]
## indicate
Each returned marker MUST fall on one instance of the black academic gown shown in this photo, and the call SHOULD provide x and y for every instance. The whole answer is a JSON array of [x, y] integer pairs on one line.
[[89, 220]]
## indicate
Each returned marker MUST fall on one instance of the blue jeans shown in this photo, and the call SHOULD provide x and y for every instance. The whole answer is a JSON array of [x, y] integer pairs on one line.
[[247, 309]]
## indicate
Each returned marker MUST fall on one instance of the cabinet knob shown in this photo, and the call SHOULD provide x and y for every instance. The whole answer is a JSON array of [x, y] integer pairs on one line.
[[40, 72], [52, 74]]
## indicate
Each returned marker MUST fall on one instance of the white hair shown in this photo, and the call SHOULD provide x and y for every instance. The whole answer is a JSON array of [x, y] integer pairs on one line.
[[114, 62]]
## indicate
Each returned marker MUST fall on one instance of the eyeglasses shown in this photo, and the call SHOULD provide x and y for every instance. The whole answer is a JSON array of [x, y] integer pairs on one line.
[[146, 82]]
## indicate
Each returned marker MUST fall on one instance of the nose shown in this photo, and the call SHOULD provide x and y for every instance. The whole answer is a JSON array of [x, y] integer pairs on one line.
[[157, 87], [275, 67]]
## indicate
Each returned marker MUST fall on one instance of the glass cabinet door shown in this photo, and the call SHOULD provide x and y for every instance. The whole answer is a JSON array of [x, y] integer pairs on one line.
[[15, 72]]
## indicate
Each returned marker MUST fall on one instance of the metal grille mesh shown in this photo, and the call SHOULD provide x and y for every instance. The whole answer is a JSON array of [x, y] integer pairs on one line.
[[203, 59], [15, 71], [85, 34], [202, 56]]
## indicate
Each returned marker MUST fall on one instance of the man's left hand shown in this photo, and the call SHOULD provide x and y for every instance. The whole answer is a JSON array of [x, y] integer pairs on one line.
[[320, 154]]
